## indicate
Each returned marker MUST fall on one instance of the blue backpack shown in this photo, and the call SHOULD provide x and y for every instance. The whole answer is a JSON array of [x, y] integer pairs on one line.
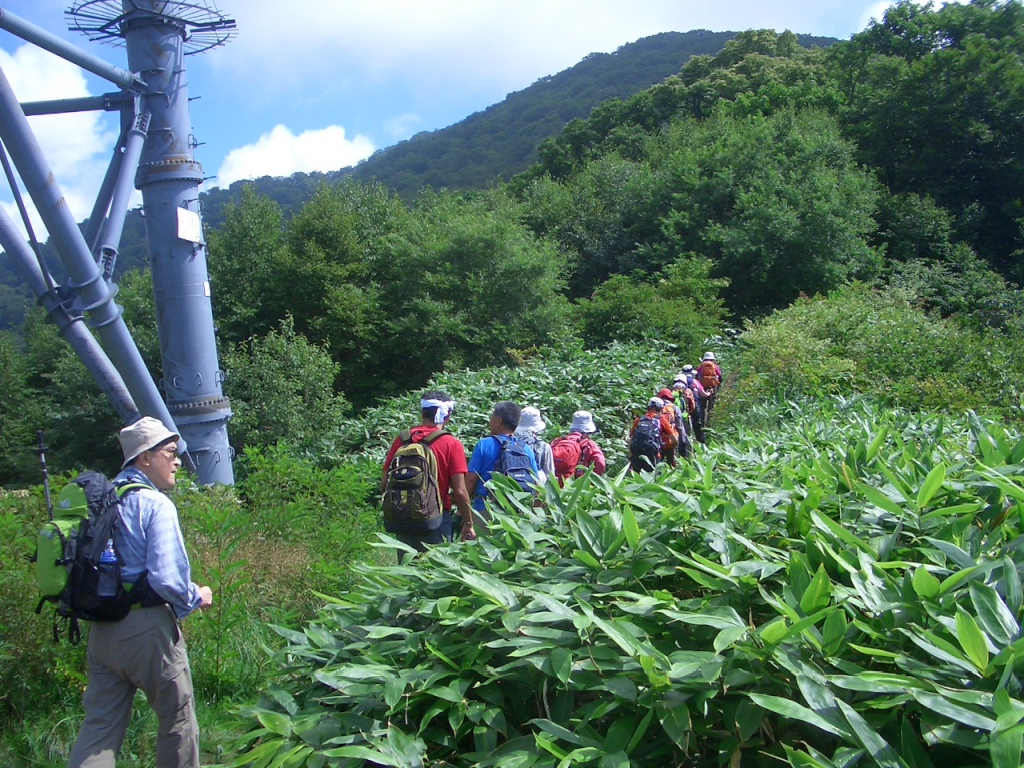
[[514, 462]]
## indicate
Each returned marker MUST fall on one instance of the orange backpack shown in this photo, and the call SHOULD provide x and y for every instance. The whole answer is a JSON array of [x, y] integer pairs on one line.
[[707, 374]]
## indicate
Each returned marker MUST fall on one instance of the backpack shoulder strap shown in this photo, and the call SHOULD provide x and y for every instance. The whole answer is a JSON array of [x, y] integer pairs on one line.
[[128, 487], [429, 438], [405, 436]]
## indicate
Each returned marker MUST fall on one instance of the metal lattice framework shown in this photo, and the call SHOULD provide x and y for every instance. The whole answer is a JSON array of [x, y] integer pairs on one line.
[[203, 25]]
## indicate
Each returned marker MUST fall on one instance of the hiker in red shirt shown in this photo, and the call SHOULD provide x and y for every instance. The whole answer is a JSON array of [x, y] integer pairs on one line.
[[435, 410], [575, 452]]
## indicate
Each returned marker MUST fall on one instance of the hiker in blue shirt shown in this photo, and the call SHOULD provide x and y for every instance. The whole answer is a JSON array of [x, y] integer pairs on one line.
[[486, 456], [146, 649]]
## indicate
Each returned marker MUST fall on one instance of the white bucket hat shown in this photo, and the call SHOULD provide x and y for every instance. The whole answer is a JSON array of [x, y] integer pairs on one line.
[[709, 356], [144, 434], [583, 421], [656, 403], [530, 420]]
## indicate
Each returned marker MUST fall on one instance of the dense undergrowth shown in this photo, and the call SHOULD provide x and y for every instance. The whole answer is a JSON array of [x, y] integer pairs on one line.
[[833, 579], [846, 589]]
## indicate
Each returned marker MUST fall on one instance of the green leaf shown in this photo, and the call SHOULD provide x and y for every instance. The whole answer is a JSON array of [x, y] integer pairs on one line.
[[359, 752], [973, 718], [614, 760], [931, 484], [1005, 747], [957, 509], [833, 633], [773, 631], [630, 526], [622, 687], [587, 559], [841, 533], [794, 711], [818, 593], [675, 719], [563, 733], [798, 759], [488, 587], [619, 732], [925, 584], [640, 731], [879, 749], [876, 442], [879, 499], [993, 615], [972, 640], [275, 722], [561, 664]]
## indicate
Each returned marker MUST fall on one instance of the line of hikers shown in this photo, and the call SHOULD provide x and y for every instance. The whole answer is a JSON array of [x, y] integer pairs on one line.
[[430, 490], [664, 431]]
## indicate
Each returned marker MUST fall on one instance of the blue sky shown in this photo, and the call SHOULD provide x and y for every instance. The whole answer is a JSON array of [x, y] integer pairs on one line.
[[316, 85]]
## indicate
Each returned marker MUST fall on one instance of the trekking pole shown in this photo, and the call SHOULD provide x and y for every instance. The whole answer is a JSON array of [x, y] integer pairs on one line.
[[41, 450]]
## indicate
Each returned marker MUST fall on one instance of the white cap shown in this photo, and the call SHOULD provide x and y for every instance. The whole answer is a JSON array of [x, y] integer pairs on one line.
[[583, 421], [530, 420]]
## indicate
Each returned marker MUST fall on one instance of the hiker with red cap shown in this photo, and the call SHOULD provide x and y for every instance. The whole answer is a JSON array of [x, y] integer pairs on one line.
[[674, 414], [686, 381]]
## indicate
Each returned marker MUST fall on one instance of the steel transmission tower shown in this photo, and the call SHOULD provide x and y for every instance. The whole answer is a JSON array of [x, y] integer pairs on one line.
[[155, 153]]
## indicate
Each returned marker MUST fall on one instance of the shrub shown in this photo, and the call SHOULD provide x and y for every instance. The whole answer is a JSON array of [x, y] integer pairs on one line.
[[858, 339]]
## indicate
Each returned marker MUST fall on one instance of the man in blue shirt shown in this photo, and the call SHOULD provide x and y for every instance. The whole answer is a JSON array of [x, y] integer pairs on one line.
[[503, 422], [146, 649]]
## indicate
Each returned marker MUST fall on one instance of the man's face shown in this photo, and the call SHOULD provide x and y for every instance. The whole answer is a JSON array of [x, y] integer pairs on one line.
[[160, 465], [494, 424]]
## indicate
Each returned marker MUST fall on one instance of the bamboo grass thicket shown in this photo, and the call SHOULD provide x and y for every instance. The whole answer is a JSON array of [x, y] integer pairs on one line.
[[845, 589]]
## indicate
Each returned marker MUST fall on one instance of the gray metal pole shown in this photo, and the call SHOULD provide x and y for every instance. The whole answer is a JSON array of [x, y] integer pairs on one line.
[[95, 295], [96, 220], [108, 102], [134, 142], [71, 328], [169, 179], [50, 42]]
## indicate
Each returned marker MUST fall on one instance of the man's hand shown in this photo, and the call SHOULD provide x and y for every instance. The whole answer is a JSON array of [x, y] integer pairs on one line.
[[205, 597], [468, 532]]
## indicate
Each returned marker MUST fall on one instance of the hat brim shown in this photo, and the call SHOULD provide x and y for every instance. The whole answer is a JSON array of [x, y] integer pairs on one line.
[[169, 436]]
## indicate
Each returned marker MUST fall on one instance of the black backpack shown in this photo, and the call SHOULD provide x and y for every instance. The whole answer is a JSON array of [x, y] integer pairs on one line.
[[514, 462], [646, 440], [78, 567]]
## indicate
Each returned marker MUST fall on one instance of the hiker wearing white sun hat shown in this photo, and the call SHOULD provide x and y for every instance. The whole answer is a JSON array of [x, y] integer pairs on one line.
[[576, 452]]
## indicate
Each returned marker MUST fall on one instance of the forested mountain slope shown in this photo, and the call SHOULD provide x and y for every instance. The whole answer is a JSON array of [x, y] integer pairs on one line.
[[494, 144], [502, 140]]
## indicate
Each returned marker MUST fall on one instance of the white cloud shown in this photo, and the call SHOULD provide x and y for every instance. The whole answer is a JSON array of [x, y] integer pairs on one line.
[[76, 146], [282, 153]]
